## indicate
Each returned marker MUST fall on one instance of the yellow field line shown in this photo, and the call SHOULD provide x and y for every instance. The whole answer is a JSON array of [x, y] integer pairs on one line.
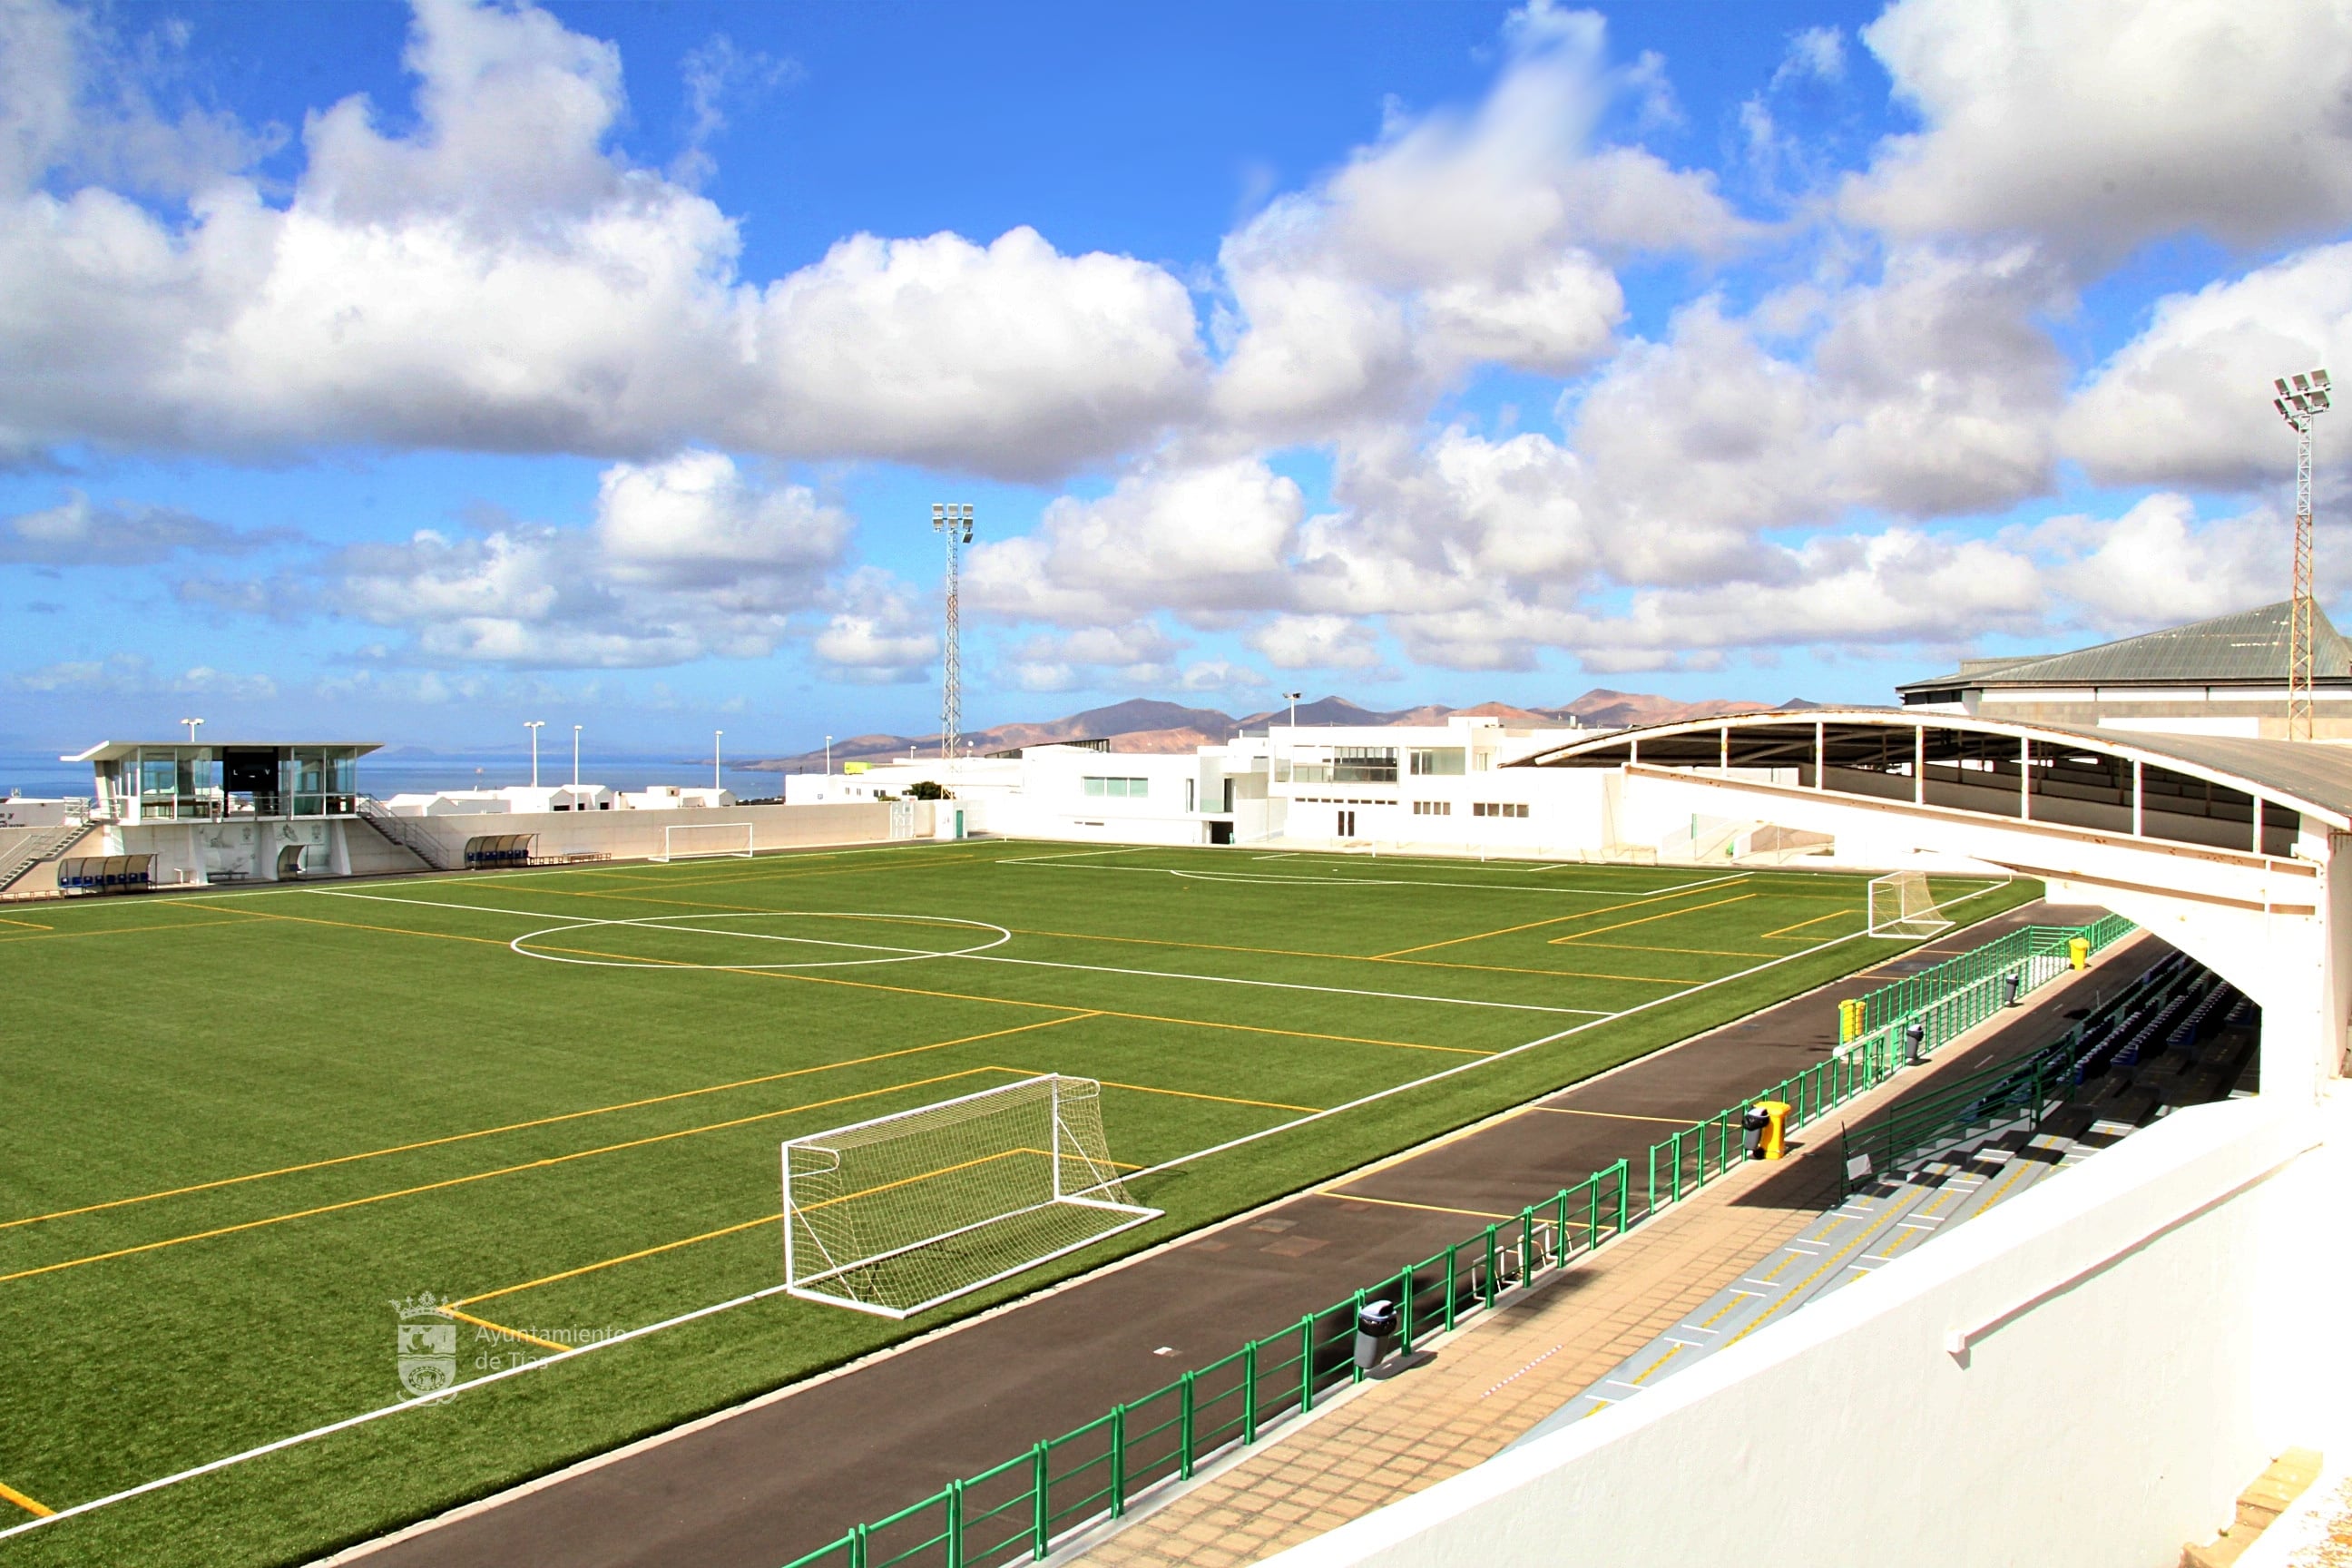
[[1612, 1115], [1531, 925], [625, 1257], [1360, 957], [1296, 1034], [1670, 914], [548, 1163], [1802, 924], [542, 1121], [347, 925], [39, 1510], [127, 930], [501, 1328], [1189, 1094], [1401, 1203], [28, 925], [1693, 951]]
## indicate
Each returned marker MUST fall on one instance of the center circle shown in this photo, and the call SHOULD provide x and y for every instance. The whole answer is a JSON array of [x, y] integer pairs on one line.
[[692, 924]]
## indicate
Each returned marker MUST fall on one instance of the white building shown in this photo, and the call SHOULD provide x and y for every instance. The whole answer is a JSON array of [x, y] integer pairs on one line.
[[512, 798]]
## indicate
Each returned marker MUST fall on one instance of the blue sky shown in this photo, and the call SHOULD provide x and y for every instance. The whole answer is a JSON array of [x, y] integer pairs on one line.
[[412, 373]]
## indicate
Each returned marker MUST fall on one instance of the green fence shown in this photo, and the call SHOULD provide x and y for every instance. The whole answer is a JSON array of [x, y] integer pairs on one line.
[[1020, 1507]]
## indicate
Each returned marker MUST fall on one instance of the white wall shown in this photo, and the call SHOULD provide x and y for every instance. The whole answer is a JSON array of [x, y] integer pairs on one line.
[[2100, 1428]]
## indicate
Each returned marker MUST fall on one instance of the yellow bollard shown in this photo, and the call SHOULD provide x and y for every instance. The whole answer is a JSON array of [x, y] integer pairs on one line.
[[2078, 951], [1776, 1128]]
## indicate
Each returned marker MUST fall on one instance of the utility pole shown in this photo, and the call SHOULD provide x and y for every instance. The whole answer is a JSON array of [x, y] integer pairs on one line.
[[192, 724], [2299, 405], [534, 725], [716, 736], [954, 520], [575, 760]]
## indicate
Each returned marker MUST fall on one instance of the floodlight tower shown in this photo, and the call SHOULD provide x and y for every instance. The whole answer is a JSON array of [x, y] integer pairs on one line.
[[2299, 404], [952, 519]]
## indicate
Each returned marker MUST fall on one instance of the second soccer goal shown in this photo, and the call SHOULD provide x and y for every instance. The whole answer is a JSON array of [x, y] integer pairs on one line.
[[700, 840], [1903, 905], [905, 1211]]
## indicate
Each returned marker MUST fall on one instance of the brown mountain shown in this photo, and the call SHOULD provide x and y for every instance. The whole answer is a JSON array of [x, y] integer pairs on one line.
[[1142, 724]]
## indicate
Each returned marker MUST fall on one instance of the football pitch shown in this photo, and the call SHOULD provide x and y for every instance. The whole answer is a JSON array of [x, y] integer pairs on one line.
[[244, 1127]]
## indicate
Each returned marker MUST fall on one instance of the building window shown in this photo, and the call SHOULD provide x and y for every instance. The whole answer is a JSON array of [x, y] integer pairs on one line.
[[1432, 809], [1440, 763], [1116, 789], [1363, 764], [1499, 808]]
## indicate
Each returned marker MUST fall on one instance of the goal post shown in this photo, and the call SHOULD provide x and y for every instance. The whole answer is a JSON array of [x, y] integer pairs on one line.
[[1903, 905], [904, 1212], [703, 840]]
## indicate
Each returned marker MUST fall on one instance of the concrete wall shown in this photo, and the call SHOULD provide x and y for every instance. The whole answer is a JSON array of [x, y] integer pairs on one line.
[[635, 834], [2151, 1329]]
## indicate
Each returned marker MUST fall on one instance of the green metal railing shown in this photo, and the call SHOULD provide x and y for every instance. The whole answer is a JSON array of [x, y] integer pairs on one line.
[[2019, 1090], [1022, 1507]]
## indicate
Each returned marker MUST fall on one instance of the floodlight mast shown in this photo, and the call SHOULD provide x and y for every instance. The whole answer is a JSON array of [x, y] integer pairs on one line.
[[952, 519], [2299, 404]]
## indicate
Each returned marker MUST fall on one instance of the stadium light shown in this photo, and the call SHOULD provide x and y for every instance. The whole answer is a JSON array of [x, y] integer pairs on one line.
[[715, 736], [828, 756], [2299, 401], [192, 724], [575, 763], [534, 726]]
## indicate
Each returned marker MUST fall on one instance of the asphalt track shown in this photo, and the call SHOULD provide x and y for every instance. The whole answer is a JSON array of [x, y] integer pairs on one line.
[[765, 1484]]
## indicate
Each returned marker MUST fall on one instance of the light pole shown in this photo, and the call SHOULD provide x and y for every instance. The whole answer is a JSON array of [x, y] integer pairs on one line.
[[2299, 405], [828, 756], [534, 725], [575, 761], [715, 736], [952, 519], [192, 724], [1293, 698]]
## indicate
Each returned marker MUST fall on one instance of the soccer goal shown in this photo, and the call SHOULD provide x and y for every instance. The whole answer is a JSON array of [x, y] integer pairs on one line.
[[1903, 905], [904, 1212], [702, 840]]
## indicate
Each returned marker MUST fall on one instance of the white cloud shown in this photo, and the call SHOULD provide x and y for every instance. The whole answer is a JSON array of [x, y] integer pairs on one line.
[[2158, 565], [79, 532], [1210, 540], [1316, 642], [2097, 124], [686, 559], [2189, 401], [126, 675], [876, 634], [498, 278], [1815, 54]]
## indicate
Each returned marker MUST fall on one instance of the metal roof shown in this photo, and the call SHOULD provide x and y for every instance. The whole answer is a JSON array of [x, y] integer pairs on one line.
[[2307, 776], [115, 750], [2250, 647]]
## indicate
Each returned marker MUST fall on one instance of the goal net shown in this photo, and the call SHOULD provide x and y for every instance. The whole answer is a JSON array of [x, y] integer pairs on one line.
[[698, 841], [1902, 905], [904, 1212]]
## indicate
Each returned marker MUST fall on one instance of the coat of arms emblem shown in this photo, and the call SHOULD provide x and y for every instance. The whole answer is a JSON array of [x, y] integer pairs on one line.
[[426, 1345]]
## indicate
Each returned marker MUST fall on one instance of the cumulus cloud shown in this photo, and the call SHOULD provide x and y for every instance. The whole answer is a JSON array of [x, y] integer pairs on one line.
[[1316, 642], [2098, 125], [2160, 565], [132, 676], [79, 533], [2188, 401], [876, 634], [686, 559], [497, 278], [1457, 239]]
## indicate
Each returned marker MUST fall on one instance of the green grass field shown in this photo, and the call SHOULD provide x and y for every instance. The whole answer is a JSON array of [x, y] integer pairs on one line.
[[241, 1125]]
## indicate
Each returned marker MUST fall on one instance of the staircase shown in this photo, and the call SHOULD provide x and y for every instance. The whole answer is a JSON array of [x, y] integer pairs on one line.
[[413, 848], [47, 847]]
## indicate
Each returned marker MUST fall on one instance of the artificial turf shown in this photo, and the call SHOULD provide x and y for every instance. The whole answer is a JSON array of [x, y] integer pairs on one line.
[[242, 1125]]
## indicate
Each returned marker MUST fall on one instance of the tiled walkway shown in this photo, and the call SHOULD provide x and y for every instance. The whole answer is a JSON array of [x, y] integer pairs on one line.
[[1494, 1381]]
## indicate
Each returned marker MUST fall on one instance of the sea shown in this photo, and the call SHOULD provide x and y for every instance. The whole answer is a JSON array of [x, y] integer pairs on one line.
[[399, 768]]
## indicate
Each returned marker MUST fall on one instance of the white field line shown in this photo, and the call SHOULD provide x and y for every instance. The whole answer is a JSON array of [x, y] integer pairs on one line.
[[1274, 880], [283, 1443]]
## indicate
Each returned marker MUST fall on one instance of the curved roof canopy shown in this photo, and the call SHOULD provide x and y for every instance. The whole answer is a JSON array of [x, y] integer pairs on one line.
[[2194, 789]]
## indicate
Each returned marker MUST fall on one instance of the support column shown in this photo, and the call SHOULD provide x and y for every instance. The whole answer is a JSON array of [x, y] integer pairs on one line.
[[1821, 755], [2258, 825], [2025, 780], [1919, 765], [2140, 799]]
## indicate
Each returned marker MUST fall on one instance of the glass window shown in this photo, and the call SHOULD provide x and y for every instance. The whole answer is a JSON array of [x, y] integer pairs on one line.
[[1442, 761], [1363, 764], [1095, 786]]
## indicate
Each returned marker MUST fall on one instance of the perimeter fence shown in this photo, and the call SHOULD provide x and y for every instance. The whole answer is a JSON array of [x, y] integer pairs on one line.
[[1022, 1509]]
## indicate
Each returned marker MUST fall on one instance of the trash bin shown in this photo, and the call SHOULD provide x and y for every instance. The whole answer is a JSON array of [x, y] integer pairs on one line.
[[2010, 985], [2078, 951], [1915, 1043], [1752, 1124], [1376, 1325], [1776, 1128]]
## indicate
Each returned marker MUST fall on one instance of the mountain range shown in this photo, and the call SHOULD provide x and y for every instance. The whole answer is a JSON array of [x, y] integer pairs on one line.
[[1143, 724]]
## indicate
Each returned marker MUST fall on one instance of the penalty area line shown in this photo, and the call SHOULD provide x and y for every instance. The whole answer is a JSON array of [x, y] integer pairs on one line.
[[37, 1510]]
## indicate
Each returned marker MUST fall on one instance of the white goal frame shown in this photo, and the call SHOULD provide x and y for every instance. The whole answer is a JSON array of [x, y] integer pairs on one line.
[[1902, 906], [739, 851], [1082, 1178]]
